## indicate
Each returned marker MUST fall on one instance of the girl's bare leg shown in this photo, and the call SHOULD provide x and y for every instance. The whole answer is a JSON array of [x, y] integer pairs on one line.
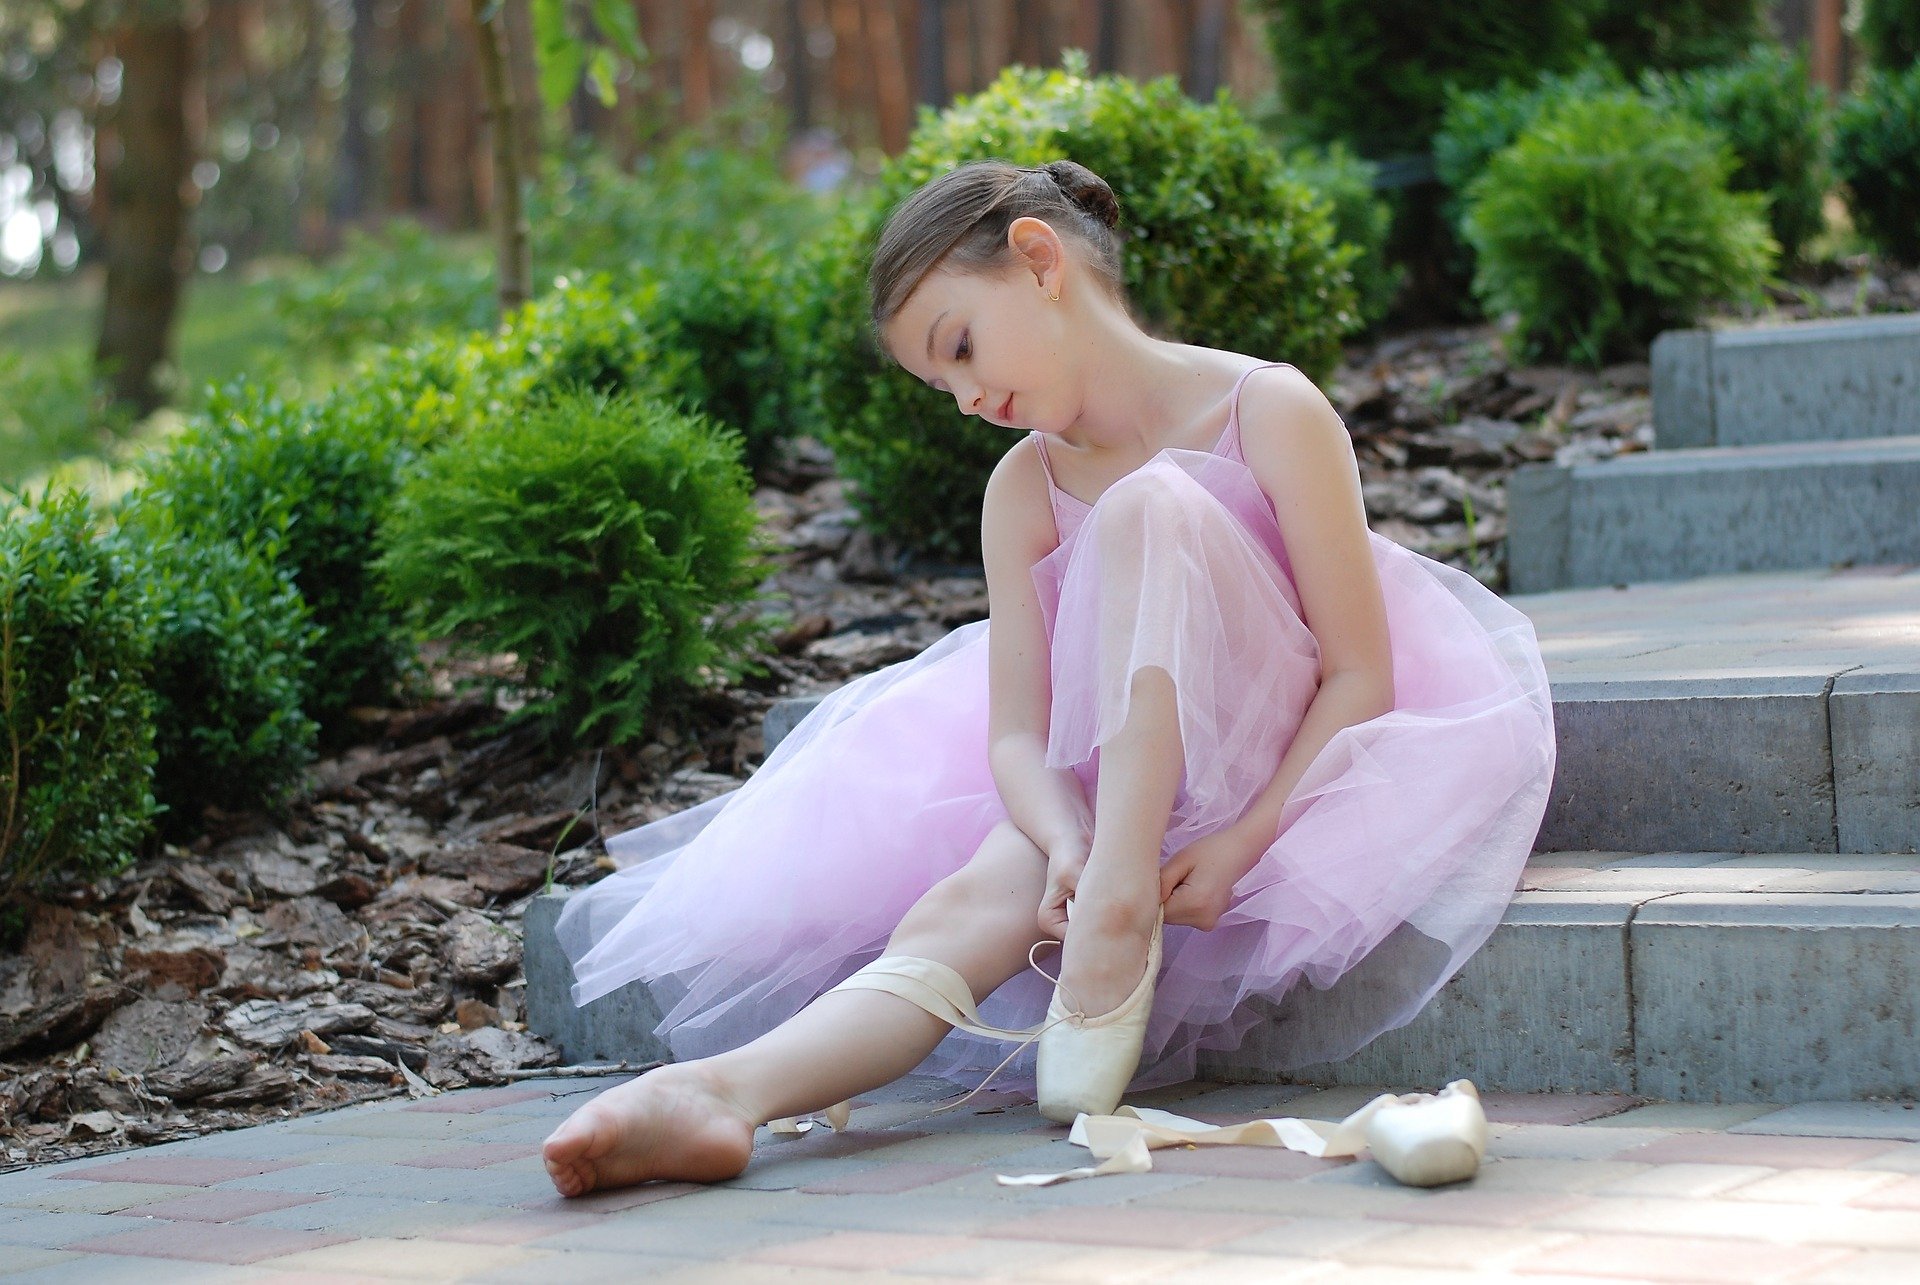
[[695, 1120], [1119, 891]]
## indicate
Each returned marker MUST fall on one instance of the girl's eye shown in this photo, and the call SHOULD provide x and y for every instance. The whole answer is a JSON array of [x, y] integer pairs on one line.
[[965, 349]]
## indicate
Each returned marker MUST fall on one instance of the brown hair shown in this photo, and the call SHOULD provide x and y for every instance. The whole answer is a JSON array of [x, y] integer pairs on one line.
[[960, 220]]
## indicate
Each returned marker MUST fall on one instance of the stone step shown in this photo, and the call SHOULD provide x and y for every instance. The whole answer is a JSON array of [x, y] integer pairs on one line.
[[1671, 515], [1692, 977], [1804, 381], [1761, 713]]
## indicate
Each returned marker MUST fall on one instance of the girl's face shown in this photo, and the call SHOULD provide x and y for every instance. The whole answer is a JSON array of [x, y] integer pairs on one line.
[[994, 342]]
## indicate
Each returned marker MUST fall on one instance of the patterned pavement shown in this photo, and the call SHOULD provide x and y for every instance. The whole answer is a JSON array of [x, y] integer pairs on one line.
[[450, 1188]]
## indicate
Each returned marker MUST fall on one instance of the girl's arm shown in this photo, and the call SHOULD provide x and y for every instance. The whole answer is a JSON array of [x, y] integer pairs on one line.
[[1299, 451], [1016, 531]]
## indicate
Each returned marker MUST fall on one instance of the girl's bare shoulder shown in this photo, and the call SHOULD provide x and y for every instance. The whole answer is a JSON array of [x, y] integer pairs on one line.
[[1017, 513], [1286, 423]]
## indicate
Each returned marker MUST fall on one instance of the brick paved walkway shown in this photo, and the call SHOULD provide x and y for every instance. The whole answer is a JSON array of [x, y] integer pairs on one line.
[[1576, 1187]]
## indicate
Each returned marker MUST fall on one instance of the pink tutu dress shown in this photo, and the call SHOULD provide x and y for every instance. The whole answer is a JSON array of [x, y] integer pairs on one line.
[[1395, 857]]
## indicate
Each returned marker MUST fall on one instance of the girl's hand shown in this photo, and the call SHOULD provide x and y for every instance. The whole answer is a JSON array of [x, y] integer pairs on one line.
[[1196, 883], [1065, 860]]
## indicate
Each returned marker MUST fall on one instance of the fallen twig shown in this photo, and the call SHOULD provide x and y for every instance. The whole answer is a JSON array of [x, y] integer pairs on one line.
[[579, 1072]]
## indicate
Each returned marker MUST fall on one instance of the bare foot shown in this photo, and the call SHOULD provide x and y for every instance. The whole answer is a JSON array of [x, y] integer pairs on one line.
[[672, 1122], [1105, 952]]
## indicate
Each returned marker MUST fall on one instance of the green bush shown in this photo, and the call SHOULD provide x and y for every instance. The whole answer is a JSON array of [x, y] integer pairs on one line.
[[1890, 29], [1373, 73], [1360, 219], [1876, 151], [76, 717], [229, 673], [610, 544], [52, 407], [387, 286], [1609, 221], [1675, 34], [1780, 127], [252, 466], [1477, 125], [1221, 248]]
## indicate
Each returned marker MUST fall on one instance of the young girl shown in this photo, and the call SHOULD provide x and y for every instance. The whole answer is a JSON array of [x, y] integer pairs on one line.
[[1207, 696]]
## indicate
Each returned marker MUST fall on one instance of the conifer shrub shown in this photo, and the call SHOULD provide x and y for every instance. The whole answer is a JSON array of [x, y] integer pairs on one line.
[[312, 482], [1675, 35], [1608, 221], [1890, 29], [608, 542], [1221, 247], [1360, 219], [76, 715], [1877, 154], [229, 675], [1374, 73], [1779, 126]]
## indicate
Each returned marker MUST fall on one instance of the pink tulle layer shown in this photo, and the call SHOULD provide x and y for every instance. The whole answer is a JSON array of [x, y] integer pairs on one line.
[[1395, 858]]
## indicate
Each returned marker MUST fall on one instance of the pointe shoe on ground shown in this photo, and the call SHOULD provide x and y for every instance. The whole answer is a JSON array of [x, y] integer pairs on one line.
[[1085, 1063], [1436, 1140]]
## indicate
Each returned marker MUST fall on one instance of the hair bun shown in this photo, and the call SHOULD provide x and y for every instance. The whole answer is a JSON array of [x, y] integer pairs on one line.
[[1085, 189]]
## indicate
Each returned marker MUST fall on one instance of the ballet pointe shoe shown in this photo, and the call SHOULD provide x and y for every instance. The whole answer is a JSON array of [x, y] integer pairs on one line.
[[1085, 1063], [1432, 1141]]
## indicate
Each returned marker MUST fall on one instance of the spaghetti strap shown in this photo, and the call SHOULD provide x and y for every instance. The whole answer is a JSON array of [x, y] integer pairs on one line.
[[1040, 445], [1230, 436]]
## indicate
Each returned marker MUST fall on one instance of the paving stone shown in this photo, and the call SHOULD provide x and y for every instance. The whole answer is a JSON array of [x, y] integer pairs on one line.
[[986, 1259], [374, 1216], [25, 1258], [1115, 1189], [417, 1260], [855, 1250], [960, 1149], [1685, 1181], [500, 1186], [1455, 1247], [1294, 1200], [1309, 1238], [1756, 1149], [1903, 1158], [1485, 1208], [58, 1230], [515, 1228], [477, 1156], [528, 1133], [584, 1267], [1225, 1269], [472, 1100], [206, 1242], [677, 1237], [608, 1202], [1567, 1142], [319, 1178], [1690, 1116], [1510, 1174], [1553, 1108], [887, 1178], [402, 1124], [1682, 1258], [1901, 1193], [102, 1197], [1135, 1226], [1101, 1265], [1839, 1120], [1815, 1187], [114, 1269], [184, 1171], [1745, 1220], [220, 1205], [1877, 1267], [911, 1212]]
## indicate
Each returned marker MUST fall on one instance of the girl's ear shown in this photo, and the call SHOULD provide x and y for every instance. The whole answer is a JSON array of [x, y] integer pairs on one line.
[[1039, 250]]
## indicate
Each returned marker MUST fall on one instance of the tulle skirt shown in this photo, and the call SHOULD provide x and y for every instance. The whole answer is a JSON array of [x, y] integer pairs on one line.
[[1393, 860]]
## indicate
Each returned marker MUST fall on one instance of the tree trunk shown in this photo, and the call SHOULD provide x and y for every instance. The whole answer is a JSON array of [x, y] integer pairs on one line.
[[799, 69], [1204, 59], [932, 59], [350, 177], [515, 256], [148, 168]]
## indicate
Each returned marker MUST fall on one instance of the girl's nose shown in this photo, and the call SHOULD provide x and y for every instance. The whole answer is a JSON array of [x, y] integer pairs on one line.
[[968, 400]]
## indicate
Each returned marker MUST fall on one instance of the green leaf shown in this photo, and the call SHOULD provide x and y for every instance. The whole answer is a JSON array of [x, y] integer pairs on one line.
[[558, 53], [601, 68], [619, 22]]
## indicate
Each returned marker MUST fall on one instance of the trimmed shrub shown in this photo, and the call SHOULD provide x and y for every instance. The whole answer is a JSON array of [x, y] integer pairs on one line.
[[1675, 34], [1222, 248], [1360, 219], [1780, 127], [229, 674], [76, 717], [1876, 151], [1890, 29], [1476, 126], [53, 406], [251, 467], [1373, 73], [1609, 221], [385, 287], [609, 543]]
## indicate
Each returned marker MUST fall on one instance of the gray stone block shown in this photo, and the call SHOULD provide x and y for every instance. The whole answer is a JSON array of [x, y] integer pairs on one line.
[[1876, 760], [1683, 388], [1832, 380], [1539, 499], [1672, 515], [1702, 765], [1542, 1007], [1777, 997], [614, 1028]]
